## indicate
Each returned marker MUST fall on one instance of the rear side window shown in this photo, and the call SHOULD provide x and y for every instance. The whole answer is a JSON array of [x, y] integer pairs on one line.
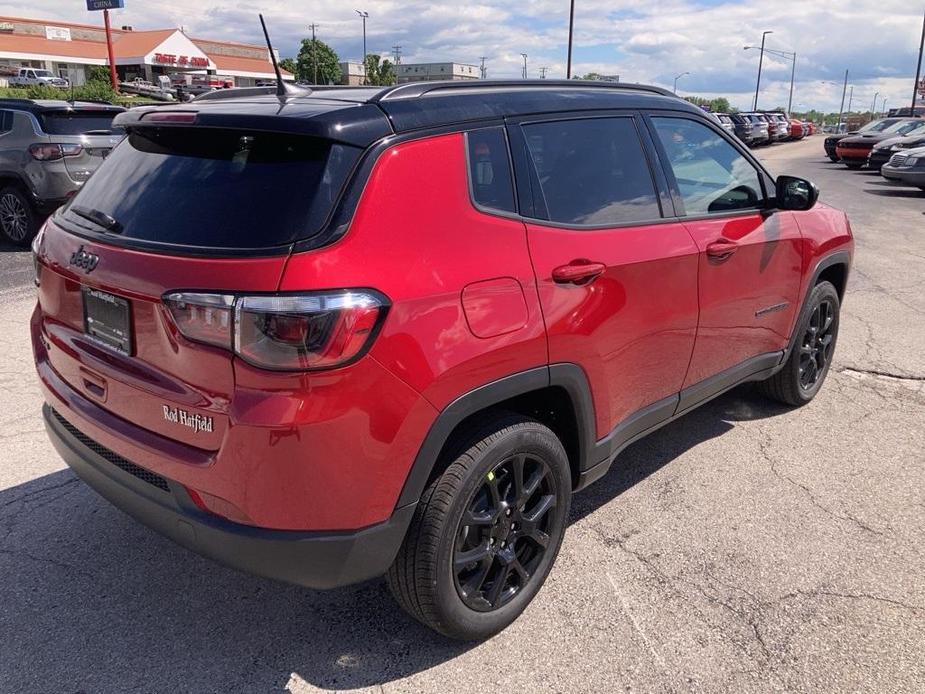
[[214, 188], [592, 171], [490, 169], [76, 122]]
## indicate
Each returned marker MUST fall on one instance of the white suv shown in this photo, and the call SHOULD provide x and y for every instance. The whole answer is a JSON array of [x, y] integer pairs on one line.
[[29, 77]]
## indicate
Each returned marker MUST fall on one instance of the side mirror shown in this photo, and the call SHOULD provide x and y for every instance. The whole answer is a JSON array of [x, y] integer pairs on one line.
[[796, 193]]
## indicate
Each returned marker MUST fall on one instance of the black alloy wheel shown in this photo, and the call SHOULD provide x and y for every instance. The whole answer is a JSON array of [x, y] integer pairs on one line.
[[816, 345], [504, 533]]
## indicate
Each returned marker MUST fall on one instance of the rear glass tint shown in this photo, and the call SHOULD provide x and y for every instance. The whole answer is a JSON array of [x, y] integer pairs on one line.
[[213, 188], [76, 122], [490, 169]]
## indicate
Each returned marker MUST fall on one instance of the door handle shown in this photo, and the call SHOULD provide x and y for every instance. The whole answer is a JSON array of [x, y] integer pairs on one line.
[[578, 271], [722, 249]]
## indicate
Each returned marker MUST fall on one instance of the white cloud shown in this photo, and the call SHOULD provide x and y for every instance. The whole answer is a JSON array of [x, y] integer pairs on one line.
[[876, 41]]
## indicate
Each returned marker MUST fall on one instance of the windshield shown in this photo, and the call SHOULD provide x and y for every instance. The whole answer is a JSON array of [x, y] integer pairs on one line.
[[898, 126], [67, 122], [213, 188], [876, 126], [914, 126]]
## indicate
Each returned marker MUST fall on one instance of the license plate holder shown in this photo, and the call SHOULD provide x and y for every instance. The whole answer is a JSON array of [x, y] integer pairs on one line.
[[108, 319]]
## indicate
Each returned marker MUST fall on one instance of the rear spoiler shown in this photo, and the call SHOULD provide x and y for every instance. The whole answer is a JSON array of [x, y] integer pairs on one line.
[[355, 124]]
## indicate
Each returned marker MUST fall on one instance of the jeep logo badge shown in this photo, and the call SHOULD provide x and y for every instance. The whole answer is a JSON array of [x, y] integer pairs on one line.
[[83, 259]]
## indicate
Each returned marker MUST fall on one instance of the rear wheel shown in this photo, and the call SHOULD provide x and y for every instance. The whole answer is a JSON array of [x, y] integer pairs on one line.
[[811, 357], [17, 218], [485, 533], [833, 157]]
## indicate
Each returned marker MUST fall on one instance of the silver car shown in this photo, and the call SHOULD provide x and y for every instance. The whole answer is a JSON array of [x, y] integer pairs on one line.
[[48, 149], [906, 166]]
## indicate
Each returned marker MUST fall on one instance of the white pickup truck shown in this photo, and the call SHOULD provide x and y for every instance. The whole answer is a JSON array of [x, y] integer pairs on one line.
[[29, 77]]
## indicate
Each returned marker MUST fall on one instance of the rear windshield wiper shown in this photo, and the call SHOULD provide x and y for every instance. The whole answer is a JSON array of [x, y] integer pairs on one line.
[[99, 218]]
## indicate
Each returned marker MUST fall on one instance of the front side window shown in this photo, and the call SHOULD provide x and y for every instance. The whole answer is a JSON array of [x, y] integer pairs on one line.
[[490, 169], [712, 176], [592, 171]]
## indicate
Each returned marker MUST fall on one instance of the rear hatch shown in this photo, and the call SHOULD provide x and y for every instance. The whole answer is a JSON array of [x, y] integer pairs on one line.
[[175, 209], [89, 132]]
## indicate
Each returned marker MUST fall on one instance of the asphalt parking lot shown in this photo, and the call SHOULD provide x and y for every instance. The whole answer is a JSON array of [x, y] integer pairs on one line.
[[743, 548]]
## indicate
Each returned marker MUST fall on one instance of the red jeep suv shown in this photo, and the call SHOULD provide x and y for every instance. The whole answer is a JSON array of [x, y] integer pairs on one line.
[[349, 332]]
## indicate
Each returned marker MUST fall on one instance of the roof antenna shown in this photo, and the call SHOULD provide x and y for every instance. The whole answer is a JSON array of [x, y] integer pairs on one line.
[[282, 89]]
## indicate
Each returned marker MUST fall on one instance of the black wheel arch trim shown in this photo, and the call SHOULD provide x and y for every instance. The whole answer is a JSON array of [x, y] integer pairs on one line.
[[839, 257], [569, 377]]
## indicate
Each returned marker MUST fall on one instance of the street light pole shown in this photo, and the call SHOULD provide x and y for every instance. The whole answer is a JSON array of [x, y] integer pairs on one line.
[[841, 109], [793, 72], [571, 29], [850, 97], [874, 106], [676, 81], [918, 69], [760, 63], [312, 26], [524, 55], [364, 16]]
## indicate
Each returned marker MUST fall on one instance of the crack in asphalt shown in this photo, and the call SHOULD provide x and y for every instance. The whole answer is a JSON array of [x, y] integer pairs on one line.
[[878, 372], [763, 447]]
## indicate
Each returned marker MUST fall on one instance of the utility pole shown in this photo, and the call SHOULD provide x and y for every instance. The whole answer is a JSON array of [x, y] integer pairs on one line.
[[482, 69], [793, 73], [524, 55], [760, 63], [396, 53], [571, 31], [543, 70], [918, 68], [841, 110], [314, 26], [364, 16]]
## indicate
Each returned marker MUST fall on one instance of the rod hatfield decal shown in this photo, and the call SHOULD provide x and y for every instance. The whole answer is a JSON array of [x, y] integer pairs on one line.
[[194, 421]]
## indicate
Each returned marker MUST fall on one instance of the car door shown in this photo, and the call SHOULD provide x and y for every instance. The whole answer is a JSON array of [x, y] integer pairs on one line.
[[617, 280], [750, 259]]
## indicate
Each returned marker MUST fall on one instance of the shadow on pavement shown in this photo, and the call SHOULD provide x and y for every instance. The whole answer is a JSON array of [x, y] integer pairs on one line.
[[899, 193], [94, 602]]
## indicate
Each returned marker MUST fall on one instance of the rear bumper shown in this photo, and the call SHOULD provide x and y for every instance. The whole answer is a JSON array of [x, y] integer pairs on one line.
[[313, 559]]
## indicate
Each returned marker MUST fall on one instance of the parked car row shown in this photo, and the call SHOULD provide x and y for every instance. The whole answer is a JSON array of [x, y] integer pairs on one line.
[[893, 146], [764, 128]]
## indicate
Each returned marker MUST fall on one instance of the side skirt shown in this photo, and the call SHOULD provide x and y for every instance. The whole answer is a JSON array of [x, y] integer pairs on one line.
[[660, 413]]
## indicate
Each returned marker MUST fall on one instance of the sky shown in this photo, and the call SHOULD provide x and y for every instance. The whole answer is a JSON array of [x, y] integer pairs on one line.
[[875, 40]]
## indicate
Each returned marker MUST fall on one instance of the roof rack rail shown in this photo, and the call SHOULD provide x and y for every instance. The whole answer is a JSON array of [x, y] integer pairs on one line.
[[413, 90]]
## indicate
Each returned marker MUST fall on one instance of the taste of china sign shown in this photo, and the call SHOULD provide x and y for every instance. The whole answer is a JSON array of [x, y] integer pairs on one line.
[[181, 60]]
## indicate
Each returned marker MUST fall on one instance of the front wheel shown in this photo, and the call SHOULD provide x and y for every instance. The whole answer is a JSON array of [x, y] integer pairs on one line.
[[486, 532], [811, 357]]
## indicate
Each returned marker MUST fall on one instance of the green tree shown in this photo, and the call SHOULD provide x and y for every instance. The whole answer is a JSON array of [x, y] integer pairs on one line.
[[316, 56], [97, 73], [379, 72], [290, 65]]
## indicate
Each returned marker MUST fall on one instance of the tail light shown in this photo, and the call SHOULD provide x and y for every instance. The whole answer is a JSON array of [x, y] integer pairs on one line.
[[47, 151], [288, 332]]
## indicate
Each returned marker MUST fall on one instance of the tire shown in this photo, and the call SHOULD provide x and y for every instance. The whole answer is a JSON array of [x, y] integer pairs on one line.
[[833, 158], [17, 218], [812, 351], [470, 600]]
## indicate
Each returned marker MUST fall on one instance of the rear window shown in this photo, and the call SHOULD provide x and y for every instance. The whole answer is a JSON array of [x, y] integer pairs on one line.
[[490, 169], [66, 122], [213, 188]]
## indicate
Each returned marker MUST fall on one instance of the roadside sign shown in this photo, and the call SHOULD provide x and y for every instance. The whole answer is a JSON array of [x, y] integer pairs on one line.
[[105, 5]]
